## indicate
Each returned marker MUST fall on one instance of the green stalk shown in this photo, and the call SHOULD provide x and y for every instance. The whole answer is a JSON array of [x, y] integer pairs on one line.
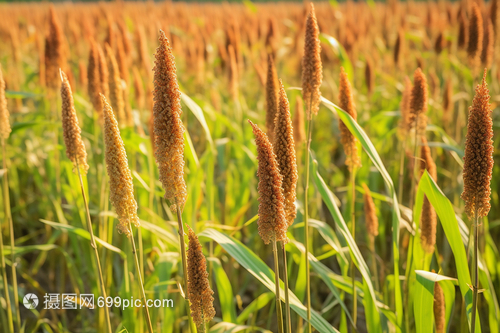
[[6, 287], [183, 248], [306, 218], [94, 246], [8, 215], [279, 314], [475, 272], [401, 172], [138, 269], [353, 233], [288, 318]]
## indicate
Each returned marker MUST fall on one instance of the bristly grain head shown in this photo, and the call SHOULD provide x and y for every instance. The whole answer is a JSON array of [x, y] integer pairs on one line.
[[4, 112], [75, 148], [428, 219], [419, 101], [299, 129], [120, 178], [94, 78], [103, 72], [346, 102], [399, 47], [488, 45], [54, 51], [478, 158], [463, 32], [312, 70], [371, 219], [115, 87], [272, 220], [439, 308], [369, 75], [198, 287], [271, 97], [475, 43], [404, 106], [494, 15], [168, 127], [284, 148]]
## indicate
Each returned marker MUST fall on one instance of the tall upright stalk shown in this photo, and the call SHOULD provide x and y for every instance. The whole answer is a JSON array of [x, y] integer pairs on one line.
[[94, 246], [143, 293], [475, 270], [306, 218], [279, 313], [183, 248], [401, 171], [353, 233], [288, 318], [6, 287]]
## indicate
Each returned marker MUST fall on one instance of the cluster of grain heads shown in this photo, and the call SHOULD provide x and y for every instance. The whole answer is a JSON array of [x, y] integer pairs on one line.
[[75, 148], [75, 151], [4, 112], [477, 172], [198, 287], [120, 178], [428, 219]]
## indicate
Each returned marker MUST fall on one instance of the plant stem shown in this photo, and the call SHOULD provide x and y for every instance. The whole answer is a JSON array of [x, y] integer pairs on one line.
[[6, 286], [306, 217], [138, 268], [353, 233], [475, 271], [401, 171], [279, 314], [183, 248], [93, 244], [374, 262], [288, 318]]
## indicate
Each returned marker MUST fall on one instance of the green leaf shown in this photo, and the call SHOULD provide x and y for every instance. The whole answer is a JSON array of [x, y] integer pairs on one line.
[[225, 327], [198, 113], [255, 306], [423, 301], [225, 291], [341, 53], [255, 266]]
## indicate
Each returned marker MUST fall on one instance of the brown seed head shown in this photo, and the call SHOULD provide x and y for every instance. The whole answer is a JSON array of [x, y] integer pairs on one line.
[[120, 178], [299, 132], [418, 101], [54, 51], [439, 308], [198, 287], [440, 43], [284, 148], [271, 97], [369, 75], [168, 127], [272, 220], [398, 47], [463, 31], [494, 15], [94, 78], [75, 149], [478, 158], [103, 72], [447, 101], [4, 112], [346, 102], [311, 65], [488, 45], [371, 218], [115, 87], [475, 44]]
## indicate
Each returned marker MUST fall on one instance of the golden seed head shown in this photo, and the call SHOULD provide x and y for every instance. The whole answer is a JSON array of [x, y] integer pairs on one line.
[[271, 97], [462, 32], [312, 69], [299, 131], [198, 287], [272, 220], [120, 178], [4, 112], [439, 308], [168, 127], [371, 218], [478, 158], [418, 101], [346, 102], [284, 148], [75, 148], [115, 87], [94, 78], [103, 72], [475, 32]]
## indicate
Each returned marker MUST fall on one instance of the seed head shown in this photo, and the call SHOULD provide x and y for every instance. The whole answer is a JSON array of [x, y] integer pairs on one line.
[[398, 47], [168, 127], [103, 72], [311, 65], [272, 220], [478, 158], [284, 148], [120, 178], [428, 220], [488, 45], [463, 31], [4, 112], [439, 308], [447, 101], [271, 97], [299, 132], [94, 78], [346, 102], [418, 101], [475, 44], [115, 87], [371, 218], [75, 149], [54, 51], [198, 287], [369, 75]]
